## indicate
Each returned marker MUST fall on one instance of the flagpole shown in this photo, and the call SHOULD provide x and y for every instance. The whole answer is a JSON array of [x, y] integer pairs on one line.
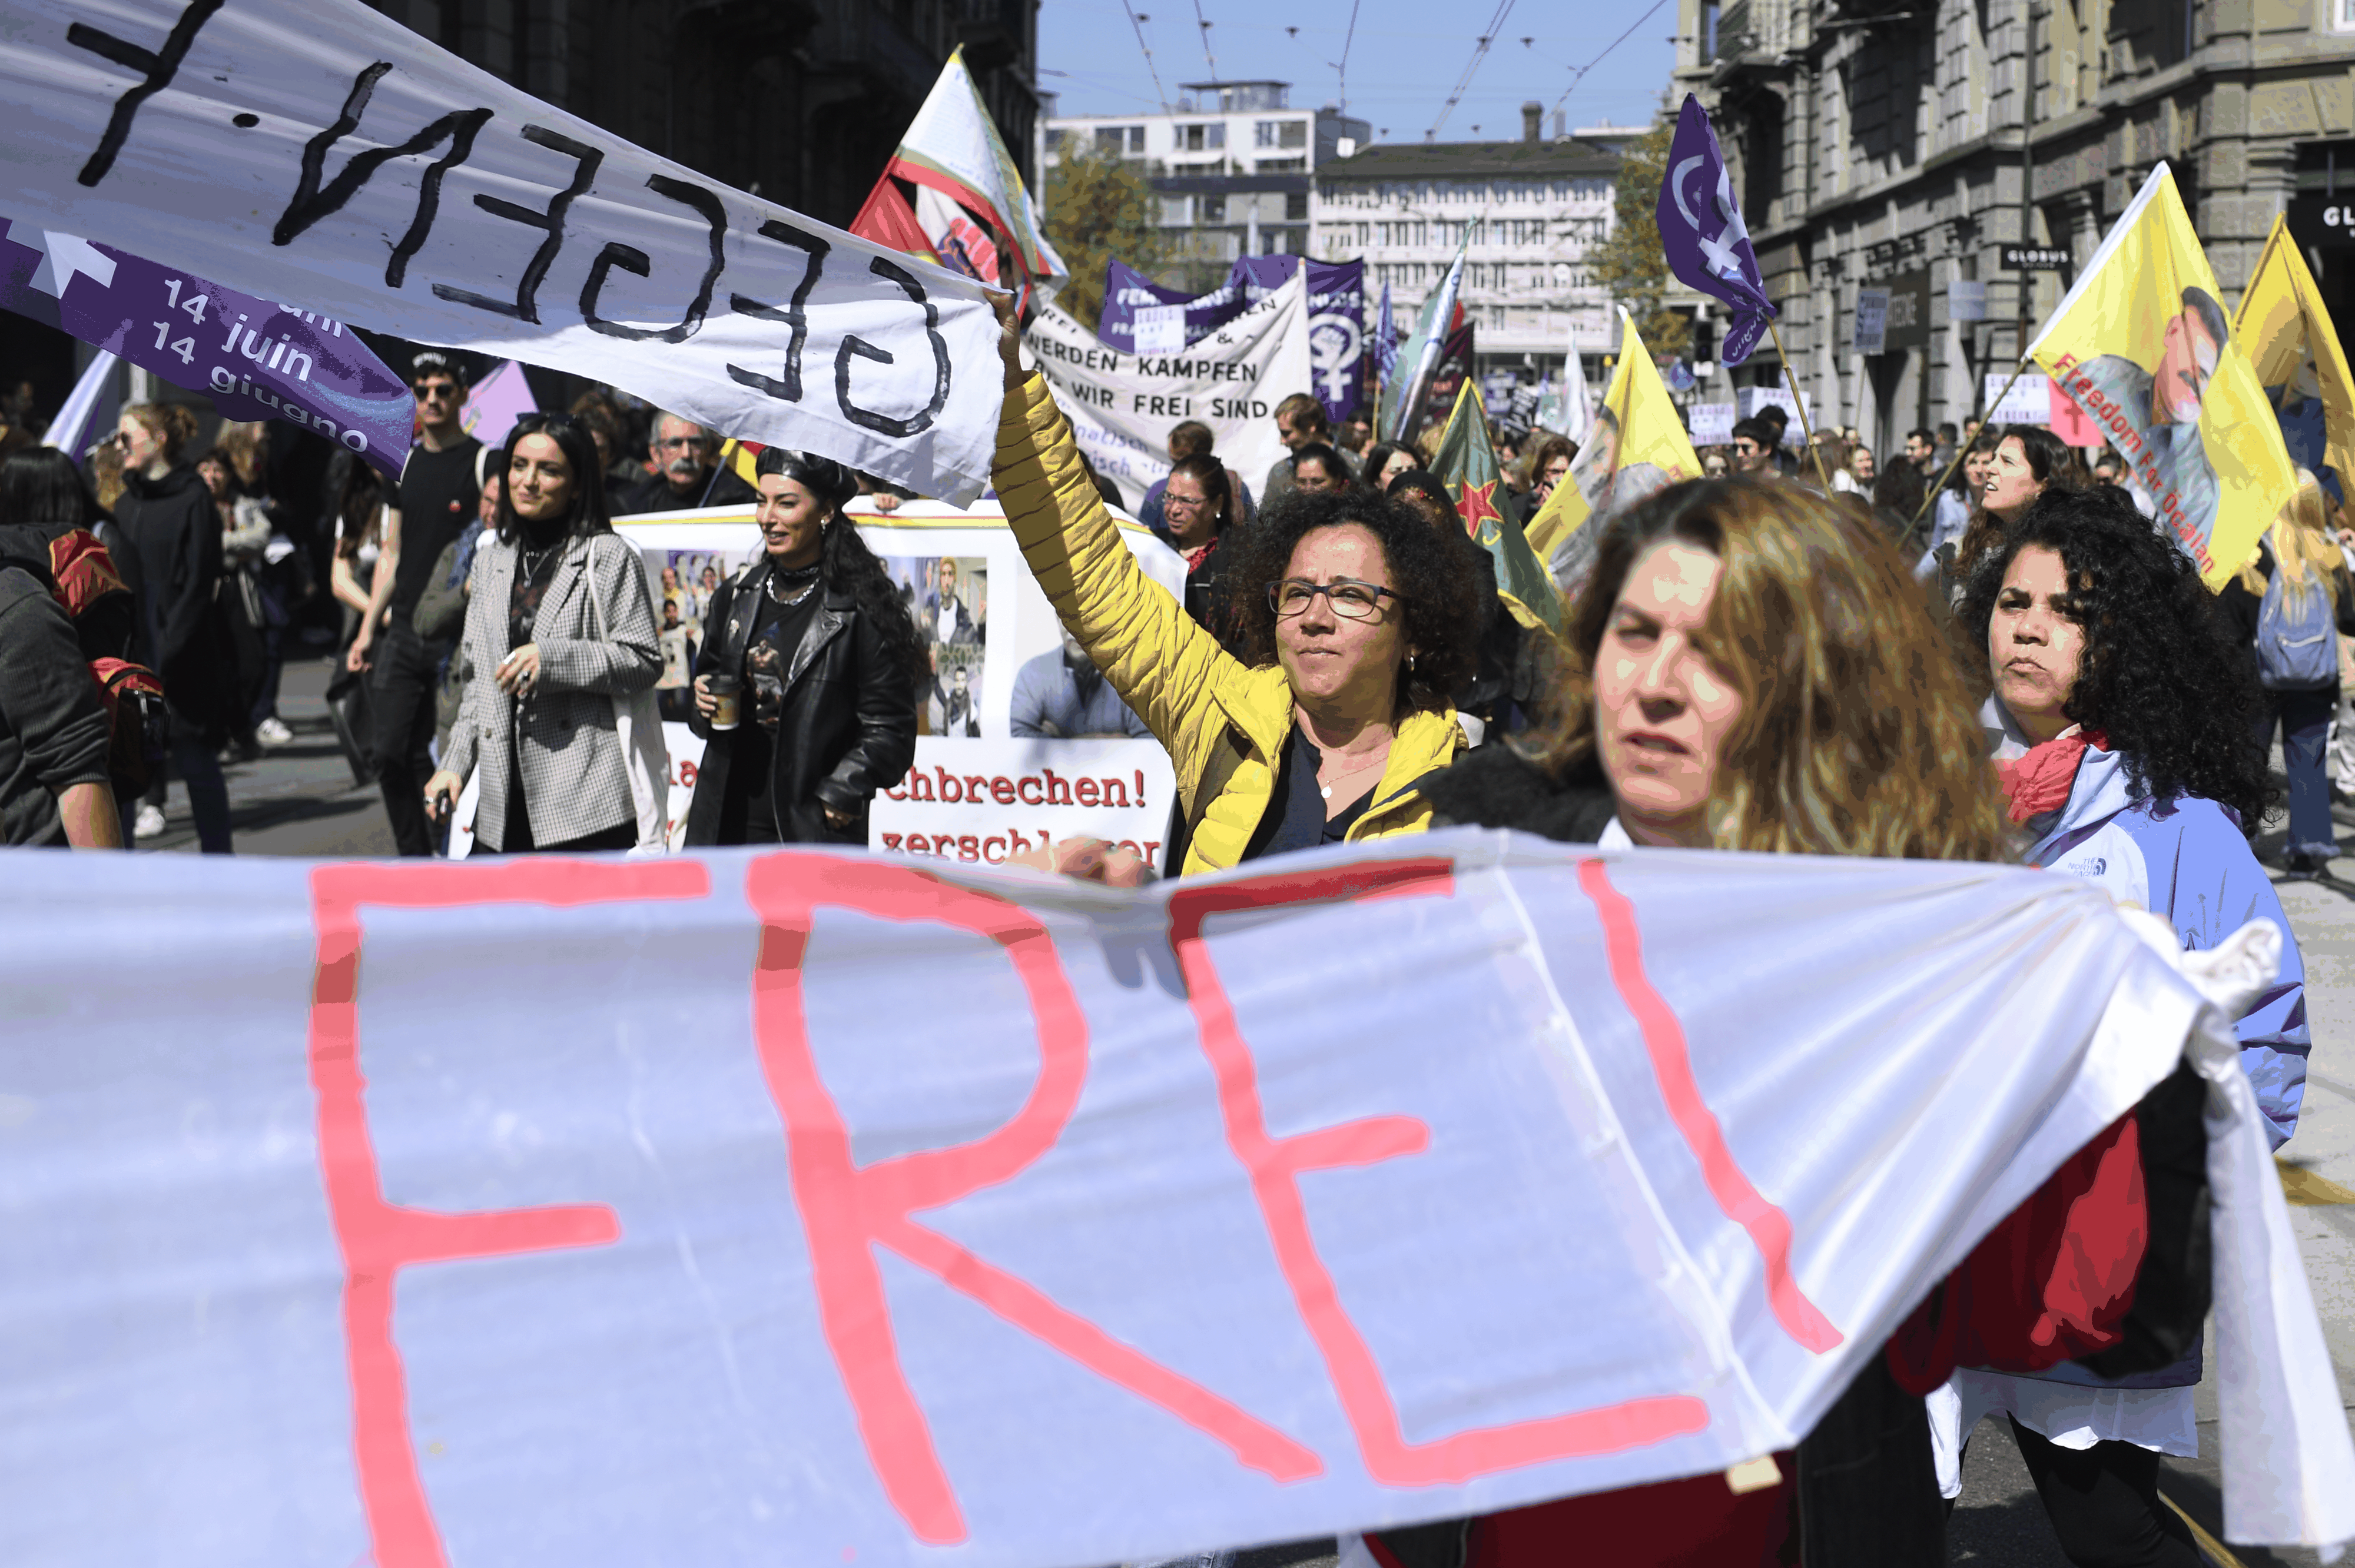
[[1821, 478], [1961, 450]]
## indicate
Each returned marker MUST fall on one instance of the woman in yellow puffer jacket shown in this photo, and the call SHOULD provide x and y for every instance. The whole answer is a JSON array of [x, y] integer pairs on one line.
[[1357, 618]]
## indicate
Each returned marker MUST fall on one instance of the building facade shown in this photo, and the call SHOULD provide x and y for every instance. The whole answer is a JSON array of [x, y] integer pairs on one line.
[[1233, 166], [801, 102], [1535, 209], [1903, 145]]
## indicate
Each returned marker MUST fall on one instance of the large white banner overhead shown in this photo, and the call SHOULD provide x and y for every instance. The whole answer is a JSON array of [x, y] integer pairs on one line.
[[322, 154], [826, 1207], [1123, 406]]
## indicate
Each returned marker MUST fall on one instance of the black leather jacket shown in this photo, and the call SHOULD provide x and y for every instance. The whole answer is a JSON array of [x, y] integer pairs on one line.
[[847, 727]]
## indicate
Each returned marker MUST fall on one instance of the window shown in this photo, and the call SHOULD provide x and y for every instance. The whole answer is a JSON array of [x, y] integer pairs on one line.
[[1294, 134], [1295, 205], [1283, 165], [1264, 132], [1121, 140], [1214, 209], [1205, 138], [1176, 212], [1056, 137], [2342, 16]]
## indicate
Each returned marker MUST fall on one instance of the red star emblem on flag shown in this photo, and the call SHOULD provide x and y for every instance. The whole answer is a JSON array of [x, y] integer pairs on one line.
[[1476, 505]]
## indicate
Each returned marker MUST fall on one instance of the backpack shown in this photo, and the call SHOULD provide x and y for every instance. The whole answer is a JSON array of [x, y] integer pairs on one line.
[[83, 580], [2297, 649]]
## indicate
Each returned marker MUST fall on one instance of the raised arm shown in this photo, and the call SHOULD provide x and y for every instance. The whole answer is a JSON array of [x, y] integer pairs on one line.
[[1164, 665]]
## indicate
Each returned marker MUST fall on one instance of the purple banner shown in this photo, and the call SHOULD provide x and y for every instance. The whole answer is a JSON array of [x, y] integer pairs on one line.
[[256, 360], [1701, 230], [1140, 316]]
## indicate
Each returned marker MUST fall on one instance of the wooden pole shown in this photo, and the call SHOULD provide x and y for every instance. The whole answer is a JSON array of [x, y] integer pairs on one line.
[[1792, 380]]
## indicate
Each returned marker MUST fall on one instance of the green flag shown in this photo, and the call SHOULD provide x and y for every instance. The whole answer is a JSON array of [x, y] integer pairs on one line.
[[1396, 414], [1466, 464]]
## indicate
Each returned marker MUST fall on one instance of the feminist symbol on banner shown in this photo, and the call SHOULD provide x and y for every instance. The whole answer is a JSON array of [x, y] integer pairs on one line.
[[1707, 243]]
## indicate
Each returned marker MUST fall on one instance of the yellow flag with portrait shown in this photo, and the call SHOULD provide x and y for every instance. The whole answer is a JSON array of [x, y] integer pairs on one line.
[[1636, 446], [2141, 344], [2282, 326]]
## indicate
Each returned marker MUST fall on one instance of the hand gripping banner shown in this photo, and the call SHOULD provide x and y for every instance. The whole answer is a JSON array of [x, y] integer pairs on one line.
[[325, 154], [830, 1208]]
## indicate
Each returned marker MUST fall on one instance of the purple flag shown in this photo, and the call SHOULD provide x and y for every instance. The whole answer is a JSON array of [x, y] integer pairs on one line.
[[257, 360], [1703, 232]]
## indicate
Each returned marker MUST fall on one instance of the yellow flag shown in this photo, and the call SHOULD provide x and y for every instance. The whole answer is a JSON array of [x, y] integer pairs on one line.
[[2141, 345], [738, 457], [2291, 343], [1634, 446]]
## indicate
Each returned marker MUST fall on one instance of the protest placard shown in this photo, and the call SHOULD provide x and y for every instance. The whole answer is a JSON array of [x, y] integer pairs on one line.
[[1122, 405], [1712, 424], [322, 154], [991, 776], [2029, 402]]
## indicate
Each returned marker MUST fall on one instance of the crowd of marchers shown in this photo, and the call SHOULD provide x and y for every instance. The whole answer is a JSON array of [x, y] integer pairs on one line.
[[1799, 653]]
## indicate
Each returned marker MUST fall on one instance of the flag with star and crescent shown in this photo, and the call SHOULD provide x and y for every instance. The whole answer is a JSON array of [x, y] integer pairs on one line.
[[1466, 464]]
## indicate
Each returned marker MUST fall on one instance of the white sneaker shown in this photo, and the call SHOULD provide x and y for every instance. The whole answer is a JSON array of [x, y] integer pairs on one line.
[[149, 825], [272, 731]]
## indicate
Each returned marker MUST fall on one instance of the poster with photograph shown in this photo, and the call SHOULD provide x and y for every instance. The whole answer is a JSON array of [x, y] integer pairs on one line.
[[948, 597], [684, 585], [1018, 736]]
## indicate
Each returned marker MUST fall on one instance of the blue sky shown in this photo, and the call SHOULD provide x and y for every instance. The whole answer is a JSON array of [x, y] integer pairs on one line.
[[1404, 58]]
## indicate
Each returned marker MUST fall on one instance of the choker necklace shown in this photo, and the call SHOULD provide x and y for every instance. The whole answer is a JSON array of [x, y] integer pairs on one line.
[[800, 579]]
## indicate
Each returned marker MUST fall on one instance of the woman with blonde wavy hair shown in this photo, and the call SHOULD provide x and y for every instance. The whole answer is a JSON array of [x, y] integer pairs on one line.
[[2289, 601], [1752, 668]]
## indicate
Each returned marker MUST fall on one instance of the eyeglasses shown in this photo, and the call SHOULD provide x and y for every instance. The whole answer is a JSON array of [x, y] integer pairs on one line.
[[1350, 600], [1170, 500], [530, 424], [433, 390]]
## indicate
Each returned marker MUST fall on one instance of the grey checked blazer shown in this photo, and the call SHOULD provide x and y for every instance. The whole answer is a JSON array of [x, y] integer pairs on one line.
[[573, 782]]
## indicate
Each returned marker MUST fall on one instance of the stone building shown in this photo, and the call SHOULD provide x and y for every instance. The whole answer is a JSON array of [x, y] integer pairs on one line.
[[798, 100], [1535, 207], [1904, 144], [1231, 165]]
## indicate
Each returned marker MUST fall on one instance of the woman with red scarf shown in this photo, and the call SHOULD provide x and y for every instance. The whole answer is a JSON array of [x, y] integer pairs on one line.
[[2119, 718]]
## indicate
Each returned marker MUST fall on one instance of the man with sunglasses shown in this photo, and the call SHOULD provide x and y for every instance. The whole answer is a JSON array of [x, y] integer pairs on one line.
[[438, 492]]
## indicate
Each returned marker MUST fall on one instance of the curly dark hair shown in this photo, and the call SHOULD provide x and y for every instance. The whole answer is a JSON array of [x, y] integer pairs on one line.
[[1432, 573], [2163, 674]]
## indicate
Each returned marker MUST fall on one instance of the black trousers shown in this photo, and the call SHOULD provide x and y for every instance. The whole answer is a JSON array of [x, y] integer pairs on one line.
[[2104, 1504], [402, 682], [518, 839]]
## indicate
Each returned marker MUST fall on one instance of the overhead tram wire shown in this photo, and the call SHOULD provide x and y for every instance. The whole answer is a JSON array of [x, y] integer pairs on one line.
[[1137, 22], [1580, 74], [1341, 70], [1479, 53], [1203, 23]]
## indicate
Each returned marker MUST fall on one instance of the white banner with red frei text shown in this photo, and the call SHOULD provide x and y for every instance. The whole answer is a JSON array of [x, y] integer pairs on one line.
[[830, 1207]]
